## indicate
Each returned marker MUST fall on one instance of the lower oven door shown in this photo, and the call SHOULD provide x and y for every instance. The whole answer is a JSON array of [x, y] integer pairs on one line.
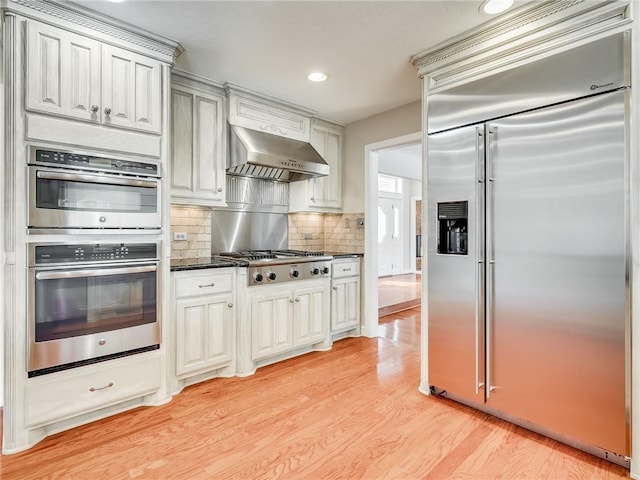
[[82, 314], [74, 199]]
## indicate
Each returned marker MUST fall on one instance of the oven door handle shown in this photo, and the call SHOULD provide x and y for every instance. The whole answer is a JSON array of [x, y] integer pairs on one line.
[[54, 275], [109, 180]]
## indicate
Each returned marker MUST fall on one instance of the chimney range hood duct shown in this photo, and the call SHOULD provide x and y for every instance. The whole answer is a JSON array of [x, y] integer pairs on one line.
[[263, 155]]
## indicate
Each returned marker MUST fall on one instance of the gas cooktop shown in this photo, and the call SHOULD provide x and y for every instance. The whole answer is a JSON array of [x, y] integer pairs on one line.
[[276, 266]]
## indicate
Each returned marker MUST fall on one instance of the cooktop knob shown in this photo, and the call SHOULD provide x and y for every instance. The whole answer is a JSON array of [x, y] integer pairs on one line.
[[271, 276], [325, 270], [258, 277], [315, 271], [295, 273]]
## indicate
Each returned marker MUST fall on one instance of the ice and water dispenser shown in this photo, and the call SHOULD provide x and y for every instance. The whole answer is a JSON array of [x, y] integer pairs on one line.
[[453, 228]]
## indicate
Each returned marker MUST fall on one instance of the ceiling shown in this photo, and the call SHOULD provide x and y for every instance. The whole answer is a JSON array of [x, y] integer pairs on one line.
[[271, 46]]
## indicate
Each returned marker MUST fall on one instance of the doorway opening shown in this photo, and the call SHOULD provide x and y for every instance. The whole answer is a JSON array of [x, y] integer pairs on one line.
[[392, 252]]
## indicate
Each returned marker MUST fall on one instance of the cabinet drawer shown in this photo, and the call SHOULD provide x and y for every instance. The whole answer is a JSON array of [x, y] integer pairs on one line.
[[73, 392], [189, 284], [346, 269]]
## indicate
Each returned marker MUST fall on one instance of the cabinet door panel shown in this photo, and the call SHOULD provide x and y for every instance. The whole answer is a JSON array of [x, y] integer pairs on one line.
[[182, 144], [311, 315], [345, 303], [131, 90], [352, 307], [204, 333], [209, 153], [219, 332], [199, 146], [190, 335], [270, 324], [63, 72], [338, 305]]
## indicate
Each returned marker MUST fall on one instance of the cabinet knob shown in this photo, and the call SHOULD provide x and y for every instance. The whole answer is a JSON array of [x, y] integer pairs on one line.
[[335, 288], [297, 299], [95, 108], [313, 199], [291, 300], [107, 111], [229, 305], [219, 189]]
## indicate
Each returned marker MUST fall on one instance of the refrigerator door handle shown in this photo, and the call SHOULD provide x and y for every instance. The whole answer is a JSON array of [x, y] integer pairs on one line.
[[480, 266], [492, 132]]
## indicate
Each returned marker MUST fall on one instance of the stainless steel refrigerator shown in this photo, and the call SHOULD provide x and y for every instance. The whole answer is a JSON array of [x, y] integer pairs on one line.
[[528, 246]]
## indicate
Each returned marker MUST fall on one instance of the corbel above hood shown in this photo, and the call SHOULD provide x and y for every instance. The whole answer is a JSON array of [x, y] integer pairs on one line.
[[263, 155]]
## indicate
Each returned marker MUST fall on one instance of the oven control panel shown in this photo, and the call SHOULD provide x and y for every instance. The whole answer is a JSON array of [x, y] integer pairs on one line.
[[90, 162], [92, 253], [270, 274]]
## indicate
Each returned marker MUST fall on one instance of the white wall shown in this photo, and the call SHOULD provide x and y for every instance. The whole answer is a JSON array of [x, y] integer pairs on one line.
[[405, 161], [394, 123]]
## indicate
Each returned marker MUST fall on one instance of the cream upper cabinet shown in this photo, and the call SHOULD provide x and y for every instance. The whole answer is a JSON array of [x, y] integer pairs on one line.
[[131, 94], [73, 76], [268, 115], [198, 159], [63, 73], [322, 194]]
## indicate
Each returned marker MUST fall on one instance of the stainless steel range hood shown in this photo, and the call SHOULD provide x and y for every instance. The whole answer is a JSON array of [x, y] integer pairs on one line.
[[263, 155]]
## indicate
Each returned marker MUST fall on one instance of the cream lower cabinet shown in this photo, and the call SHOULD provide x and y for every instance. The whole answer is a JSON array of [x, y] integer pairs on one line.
[[204, 320], [198, 131], [321, 194], [283, 319], [73, 76], [70, 393], [345, 295]]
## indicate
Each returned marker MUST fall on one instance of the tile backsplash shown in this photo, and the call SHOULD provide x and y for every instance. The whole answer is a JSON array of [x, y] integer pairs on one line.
[[330, 232], [196, 223]]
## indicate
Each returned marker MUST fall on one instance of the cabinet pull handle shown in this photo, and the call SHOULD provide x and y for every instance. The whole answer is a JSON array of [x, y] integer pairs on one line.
[[207, 285], [95, 108], [95, 389], [346, 269], [107, 111], [229, 305]]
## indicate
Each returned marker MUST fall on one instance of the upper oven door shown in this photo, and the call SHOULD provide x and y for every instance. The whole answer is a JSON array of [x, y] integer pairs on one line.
[[64, 198]]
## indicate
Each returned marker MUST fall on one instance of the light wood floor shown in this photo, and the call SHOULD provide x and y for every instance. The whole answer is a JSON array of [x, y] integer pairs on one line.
[[353, 412], [398, 292]]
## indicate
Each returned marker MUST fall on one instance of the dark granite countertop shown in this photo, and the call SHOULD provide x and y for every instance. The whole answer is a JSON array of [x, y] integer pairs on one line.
[[180, 264]]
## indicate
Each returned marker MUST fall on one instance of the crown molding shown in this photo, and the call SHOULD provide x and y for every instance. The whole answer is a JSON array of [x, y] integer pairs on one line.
[[96, 25], [518, 31]]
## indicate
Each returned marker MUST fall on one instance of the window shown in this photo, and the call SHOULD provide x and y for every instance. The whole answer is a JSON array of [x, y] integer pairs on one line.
[[389, 184]]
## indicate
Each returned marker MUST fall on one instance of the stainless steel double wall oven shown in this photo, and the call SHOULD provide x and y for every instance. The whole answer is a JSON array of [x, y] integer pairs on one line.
[[93, 289]]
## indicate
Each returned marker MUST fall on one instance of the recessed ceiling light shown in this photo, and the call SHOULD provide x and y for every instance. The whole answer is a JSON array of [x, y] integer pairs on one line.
[[491, 7], [317, 77]]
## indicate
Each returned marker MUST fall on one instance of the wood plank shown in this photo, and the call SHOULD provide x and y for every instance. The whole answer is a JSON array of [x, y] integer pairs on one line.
[[352, 412]]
